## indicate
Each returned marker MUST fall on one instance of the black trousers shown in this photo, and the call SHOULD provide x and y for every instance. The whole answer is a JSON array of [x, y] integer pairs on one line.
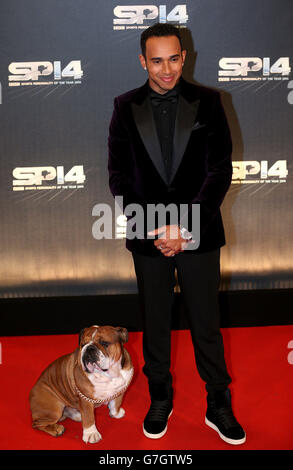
[[198, 277]]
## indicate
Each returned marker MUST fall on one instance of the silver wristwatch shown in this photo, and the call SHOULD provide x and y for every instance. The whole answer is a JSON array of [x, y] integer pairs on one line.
[[185, 234]]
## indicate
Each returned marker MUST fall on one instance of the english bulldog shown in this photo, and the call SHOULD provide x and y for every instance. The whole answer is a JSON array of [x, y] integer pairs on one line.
[[97, 372]]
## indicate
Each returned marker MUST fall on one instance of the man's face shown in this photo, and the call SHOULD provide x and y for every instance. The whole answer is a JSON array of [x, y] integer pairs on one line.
[[164, 61]]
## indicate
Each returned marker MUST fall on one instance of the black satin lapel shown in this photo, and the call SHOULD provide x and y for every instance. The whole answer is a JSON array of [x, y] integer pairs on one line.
[[185, 118], [145, 123]]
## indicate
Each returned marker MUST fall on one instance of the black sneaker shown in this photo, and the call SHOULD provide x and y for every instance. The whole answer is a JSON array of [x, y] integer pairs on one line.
[[155, 423], [220, 417]]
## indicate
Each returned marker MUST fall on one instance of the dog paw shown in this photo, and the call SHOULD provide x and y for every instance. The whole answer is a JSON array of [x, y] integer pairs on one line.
[[59, 429], [55, 430], [118, 414], [91, 435]]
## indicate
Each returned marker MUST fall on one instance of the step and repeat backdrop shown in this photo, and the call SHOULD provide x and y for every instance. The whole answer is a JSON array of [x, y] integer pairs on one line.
[[62, 62]]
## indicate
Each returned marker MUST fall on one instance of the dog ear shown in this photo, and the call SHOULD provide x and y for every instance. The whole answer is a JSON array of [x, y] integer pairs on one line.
[[80, 336], [123, 334]]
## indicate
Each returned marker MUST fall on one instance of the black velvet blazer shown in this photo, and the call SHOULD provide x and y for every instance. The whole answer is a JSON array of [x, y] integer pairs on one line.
[[202, 168]]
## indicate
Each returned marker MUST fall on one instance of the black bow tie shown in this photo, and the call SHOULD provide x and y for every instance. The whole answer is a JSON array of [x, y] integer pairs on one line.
[[171, 96]]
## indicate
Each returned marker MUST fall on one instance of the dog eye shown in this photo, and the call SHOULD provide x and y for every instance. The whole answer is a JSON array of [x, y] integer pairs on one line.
[[105, 344]]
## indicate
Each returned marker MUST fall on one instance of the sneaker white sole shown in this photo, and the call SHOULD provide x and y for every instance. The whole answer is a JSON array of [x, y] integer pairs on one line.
[[156, 436], [226, 439]]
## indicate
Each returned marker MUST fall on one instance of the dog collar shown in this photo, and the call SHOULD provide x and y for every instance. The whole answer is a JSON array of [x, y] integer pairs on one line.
[[103, 400]]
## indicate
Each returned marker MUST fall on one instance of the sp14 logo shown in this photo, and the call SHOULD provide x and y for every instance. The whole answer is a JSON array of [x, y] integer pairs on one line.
[[137, 14], [25, 71], [243, 170], [26, 177], [242, 66]]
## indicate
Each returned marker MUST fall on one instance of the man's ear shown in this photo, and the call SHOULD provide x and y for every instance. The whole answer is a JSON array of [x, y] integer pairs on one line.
[[142, 61], [183, 55]]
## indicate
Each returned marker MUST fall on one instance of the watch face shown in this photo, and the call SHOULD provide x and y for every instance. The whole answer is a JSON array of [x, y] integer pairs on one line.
[[185, 234]]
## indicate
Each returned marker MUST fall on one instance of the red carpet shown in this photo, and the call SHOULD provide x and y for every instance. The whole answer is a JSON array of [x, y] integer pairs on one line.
[[262, 390]]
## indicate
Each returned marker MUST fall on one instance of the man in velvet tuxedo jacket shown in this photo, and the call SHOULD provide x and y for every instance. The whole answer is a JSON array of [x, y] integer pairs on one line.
[[169, 143]]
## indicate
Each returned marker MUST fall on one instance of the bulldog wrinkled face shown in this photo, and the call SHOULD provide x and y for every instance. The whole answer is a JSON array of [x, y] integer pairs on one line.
[[101, 347]]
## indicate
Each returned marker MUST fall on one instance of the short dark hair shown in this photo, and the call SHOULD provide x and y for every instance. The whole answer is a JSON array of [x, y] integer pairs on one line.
[[158, 30]]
